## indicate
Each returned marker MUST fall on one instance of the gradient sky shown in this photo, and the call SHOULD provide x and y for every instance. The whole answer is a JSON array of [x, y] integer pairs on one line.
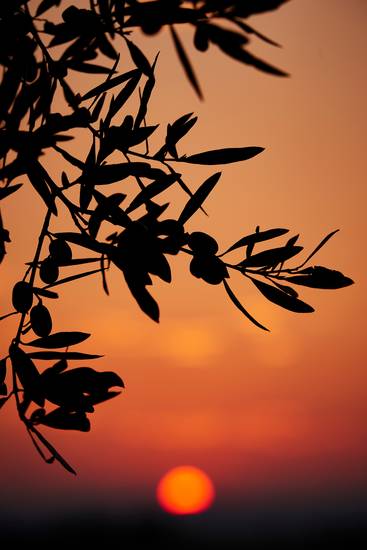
[[267, 416]]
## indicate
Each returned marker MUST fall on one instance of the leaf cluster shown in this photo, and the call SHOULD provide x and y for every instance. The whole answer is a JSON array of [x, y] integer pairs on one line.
[[114, 227]]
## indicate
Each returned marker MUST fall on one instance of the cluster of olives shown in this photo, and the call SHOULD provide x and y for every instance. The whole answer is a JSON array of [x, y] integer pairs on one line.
[[60, 253], [171, 236], [40, 318], [205, 264]]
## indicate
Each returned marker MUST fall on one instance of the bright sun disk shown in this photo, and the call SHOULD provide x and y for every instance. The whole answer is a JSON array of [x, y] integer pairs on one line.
[[185, 490]]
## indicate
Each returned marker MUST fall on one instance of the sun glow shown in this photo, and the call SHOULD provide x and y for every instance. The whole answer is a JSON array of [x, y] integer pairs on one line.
[[185, 490]]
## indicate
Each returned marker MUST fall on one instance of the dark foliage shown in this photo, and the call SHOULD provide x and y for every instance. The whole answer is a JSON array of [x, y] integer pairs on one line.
[[144, 237]]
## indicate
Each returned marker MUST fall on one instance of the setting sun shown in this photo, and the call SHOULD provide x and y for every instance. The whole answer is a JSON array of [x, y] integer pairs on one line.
[[185, 490]]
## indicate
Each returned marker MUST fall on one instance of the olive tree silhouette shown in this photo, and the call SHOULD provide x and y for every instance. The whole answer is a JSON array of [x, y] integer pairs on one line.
[[139, 235]]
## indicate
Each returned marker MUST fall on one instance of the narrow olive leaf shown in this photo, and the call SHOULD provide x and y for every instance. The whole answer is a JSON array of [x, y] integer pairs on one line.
[[285, 288], [107, 209], [108, 78], [144, 100], [271, 257], [118, 216], [106, 14], [85, 196], [20, 107], [197, 199], [59, 340], [238, 304], [245, 9], [101, 398], [159, 266], [155, 211], [65, 180], [85, 241], [111, 173], [98, 108], [292, 241], [320, 277], [64, 137], [141, 134], [27, 374], [230, 42], [46, 293], [68, 355], [62, 419], [152, 190], [104, 278], [70, 97], [39, 184], [47, 87], [8, 315], [175, 133], [281, 298], [111, 83], [78, 261], [106, 47], [57, 368], [50, 459], [250, 30], [181, 183], [248, 58], [54, 454], [250, 247], [2, 370], [70, 158], [256, 237], [9, 86], [110, 379], [124, 95], [36, 415], [320, 245], [185, 62], [139, 58], [72, 278], [90, 161], [181, 126], [4, 238], [145, 301], [46, 176], [88, 68], [13, 169], [223, 156], [6, 191], [46, 5]]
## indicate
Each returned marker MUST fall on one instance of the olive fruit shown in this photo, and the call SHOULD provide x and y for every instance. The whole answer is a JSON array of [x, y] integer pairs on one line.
[[209, 268], [202, 243], [201, 41], [41, 321], [22, 296], [60, 251], [49, 271]]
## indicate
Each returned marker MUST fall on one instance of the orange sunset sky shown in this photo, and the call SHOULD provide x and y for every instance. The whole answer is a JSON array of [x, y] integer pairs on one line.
[[265, 415]]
